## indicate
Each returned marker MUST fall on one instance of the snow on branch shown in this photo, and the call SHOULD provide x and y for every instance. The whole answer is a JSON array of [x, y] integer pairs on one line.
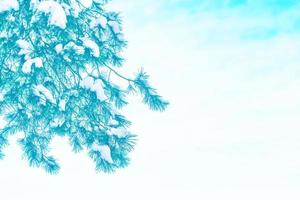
[[6, 5], [57, 15], [56, 79]]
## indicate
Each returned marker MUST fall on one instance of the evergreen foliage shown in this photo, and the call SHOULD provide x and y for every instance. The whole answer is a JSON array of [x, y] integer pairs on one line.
[[56, 58]]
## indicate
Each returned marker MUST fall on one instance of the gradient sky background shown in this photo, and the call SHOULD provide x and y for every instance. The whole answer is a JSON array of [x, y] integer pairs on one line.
[[230, 69]]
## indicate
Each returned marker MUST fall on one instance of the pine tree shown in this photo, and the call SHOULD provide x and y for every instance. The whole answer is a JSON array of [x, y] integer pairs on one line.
[[56, 58]]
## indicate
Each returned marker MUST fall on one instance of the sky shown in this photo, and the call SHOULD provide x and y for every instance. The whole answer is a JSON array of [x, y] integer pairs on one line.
[[230, 69]]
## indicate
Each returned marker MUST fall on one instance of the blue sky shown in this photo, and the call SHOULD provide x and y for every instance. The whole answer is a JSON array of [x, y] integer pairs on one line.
[[231, 72], [256, 19]]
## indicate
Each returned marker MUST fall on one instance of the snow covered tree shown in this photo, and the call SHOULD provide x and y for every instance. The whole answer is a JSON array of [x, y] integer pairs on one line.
[[56, 58]]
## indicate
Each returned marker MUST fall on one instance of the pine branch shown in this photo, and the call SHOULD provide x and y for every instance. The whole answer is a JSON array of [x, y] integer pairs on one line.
[[52, 84]]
